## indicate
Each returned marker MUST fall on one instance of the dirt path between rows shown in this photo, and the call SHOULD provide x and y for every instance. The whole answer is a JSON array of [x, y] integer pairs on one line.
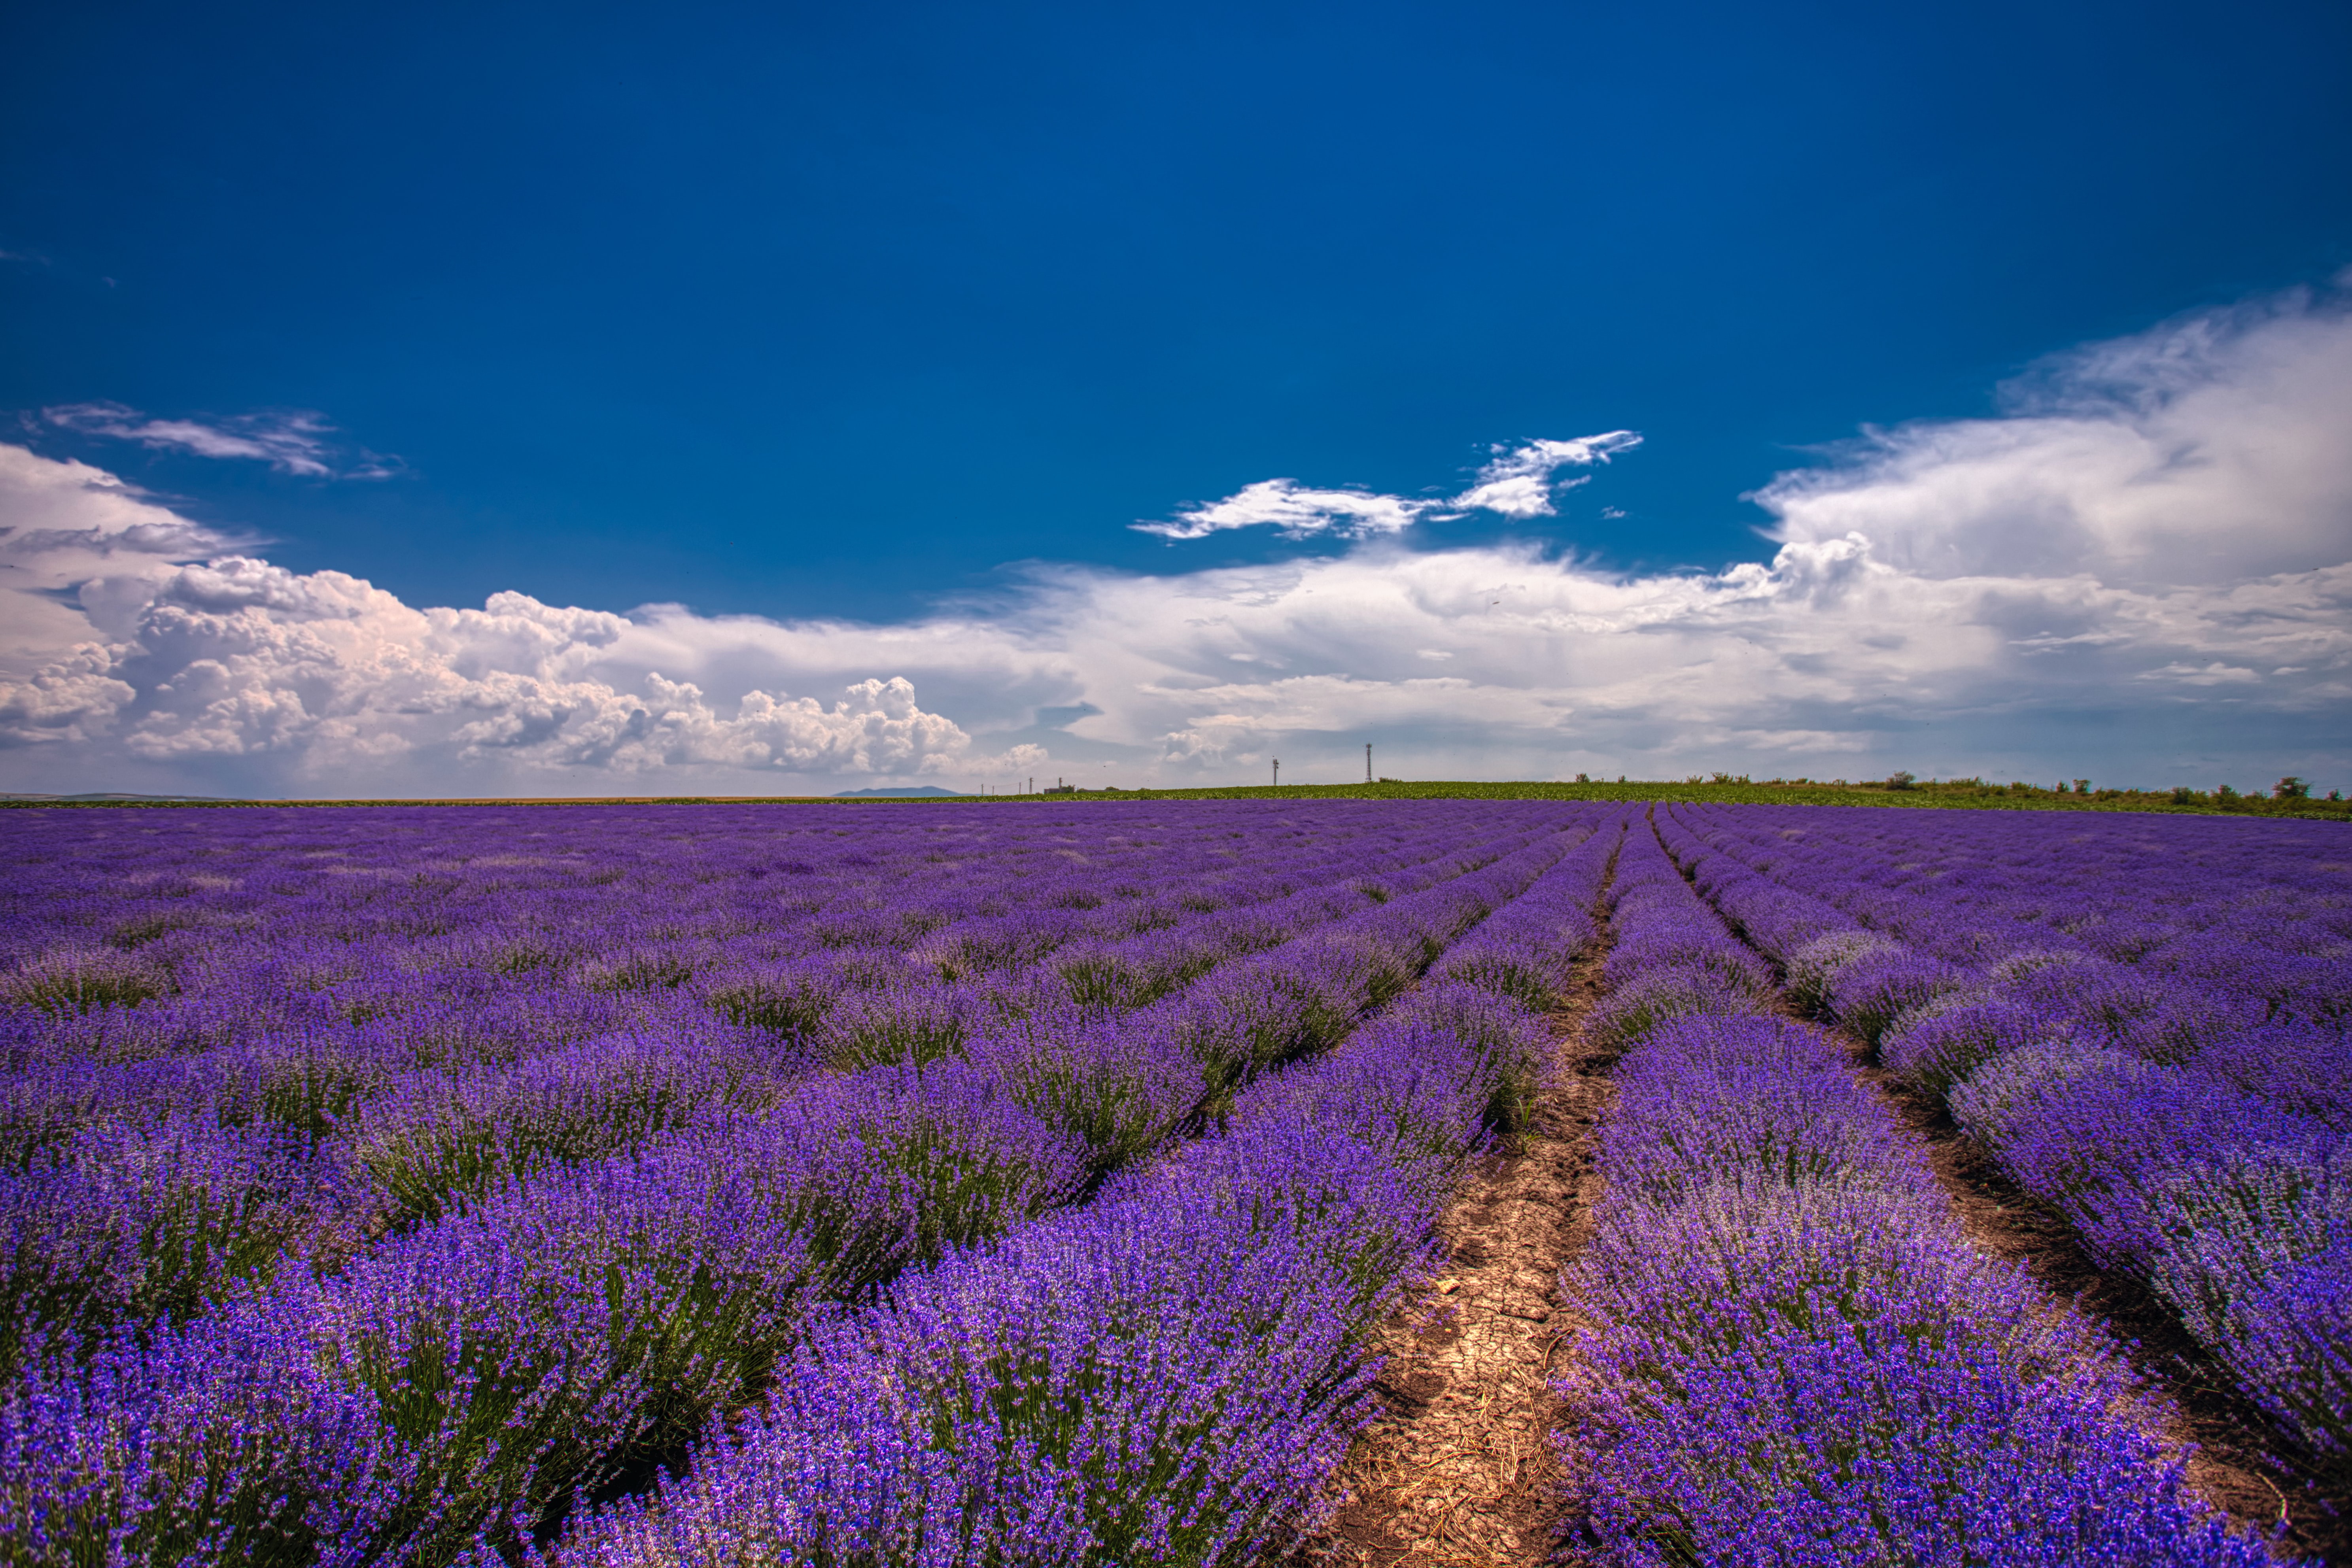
[[1460, 1469], [2197, 1407]]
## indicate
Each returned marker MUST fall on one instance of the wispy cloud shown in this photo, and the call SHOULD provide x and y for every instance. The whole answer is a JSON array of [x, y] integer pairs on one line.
[[2213, 674], [1298, 511], [1517, 483], [292, 441]]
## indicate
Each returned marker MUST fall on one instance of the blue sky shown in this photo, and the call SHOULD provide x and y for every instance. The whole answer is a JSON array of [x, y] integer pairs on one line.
[[854, 313]]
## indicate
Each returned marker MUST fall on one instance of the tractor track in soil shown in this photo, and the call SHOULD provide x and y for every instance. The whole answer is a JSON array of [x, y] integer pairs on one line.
[[1460, 1469]]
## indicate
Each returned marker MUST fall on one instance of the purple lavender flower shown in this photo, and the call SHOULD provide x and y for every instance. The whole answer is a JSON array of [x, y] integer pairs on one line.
[[908, 1020], [1635, 1009], [440, 1136], [2098, 1133], [1870, 994], [1940, 1044], [2291, 1346], [1411, 1092], [2253, 1249], [2305, 1067], [1367, 1219], [1141, 1382], [83, 981], [127, 1225], [1689, 938], [1527, 949], [792, 999], [1840, 1442], [1119, 1087], [222, 1443], [1511, 1044], [1798, 1359], [1709, 1099], [888, 1167]]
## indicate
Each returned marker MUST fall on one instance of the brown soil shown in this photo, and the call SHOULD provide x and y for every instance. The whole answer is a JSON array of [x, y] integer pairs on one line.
[[1460, 1469], [2192, 1400]]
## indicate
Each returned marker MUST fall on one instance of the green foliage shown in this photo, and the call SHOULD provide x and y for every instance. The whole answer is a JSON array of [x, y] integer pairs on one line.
[[1724, 789], [642, 970], [785, 1005], [83, 982]]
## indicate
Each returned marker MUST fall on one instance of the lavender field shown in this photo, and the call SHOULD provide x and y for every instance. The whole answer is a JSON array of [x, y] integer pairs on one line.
[[1025, 1184]]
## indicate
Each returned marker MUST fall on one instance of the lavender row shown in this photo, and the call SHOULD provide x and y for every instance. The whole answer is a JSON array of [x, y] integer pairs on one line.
[[2194, 1133], [1053, 1035], [1528, 949], [2213, 930], [488, 1366], [1797, 1357], [460, 1020], [453, 952], [1169, 1376], [153, 1215], [332, 1063]]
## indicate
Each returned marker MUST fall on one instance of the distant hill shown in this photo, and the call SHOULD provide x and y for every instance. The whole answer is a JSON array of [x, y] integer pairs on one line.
[[111, 797], [926, 792]]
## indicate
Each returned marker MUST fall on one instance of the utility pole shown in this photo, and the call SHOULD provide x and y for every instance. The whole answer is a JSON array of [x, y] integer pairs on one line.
[[1277, 772], [1368, 762]]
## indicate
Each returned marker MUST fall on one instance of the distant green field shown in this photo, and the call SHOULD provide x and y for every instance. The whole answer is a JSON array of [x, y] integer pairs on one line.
[[1963, 794]]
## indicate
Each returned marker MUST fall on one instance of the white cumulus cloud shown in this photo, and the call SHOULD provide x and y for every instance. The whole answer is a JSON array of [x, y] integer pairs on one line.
[[2141, 568], [2204, 451]]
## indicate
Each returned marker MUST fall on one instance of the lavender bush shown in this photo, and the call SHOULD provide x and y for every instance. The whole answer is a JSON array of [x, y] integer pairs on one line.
[[2143, 1022], [377, 1198], [1023, 1183], [1797, 1357]]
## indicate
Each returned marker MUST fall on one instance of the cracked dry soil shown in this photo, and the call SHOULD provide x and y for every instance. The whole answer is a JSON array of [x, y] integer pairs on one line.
[[1460, 1469]]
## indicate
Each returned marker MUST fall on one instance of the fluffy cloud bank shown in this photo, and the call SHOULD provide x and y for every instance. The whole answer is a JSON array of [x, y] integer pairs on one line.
[[324, 679], [2142, 569]]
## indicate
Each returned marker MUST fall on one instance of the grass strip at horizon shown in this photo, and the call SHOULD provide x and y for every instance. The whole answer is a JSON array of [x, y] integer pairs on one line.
[[1797, 1356], [601, 1302], [2145, 1028], [1169, 1376]]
